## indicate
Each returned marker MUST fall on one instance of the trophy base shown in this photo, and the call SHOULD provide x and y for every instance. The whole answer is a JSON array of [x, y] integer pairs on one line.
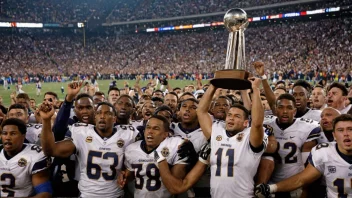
[[232, 79]]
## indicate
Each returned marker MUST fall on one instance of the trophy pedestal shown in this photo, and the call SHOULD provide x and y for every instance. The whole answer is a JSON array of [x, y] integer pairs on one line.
[[232, 79]]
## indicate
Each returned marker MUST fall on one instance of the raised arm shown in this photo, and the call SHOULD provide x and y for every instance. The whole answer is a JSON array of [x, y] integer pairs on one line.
[[257, 132], [246, 100], [269, 94], [62, 118], [202, 111], [60, 149]]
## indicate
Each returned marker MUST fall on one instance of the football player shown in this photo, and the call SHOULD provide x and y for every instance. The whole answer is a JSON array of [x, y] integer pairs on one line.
[[235, 149], [296, 137], [33, 130], [331, 160], [327, 117], [23, 167], [141, 162], [301, 90], [99, 149]]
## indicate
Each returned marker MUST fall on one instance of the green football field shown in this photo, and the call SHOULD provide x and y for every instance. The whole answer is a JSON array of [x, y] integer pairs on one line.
[[56, 87]]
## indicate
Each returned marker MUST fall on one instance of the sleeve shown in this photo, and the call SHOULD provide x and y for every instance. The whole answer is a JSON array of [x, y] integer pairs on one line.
[[314, 134], [40, 162], [72, 137], [268, 130], [62, 119], [316, 159], [127, 157]]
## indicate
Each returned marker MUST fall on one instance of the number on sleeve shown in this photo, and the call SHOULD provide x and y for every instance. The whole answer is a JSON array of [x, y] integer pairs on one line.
[[322, 145], [36, 148], [5, 188]]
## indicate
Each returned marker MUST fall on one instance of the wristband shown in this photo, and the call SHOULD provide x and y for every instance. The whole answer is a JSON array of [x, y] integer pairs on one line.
[[273, 188], [263, 77]]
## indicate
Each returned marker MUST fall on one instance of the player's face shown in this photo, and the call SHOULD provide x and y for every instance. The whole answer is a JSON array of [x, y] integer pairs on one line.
[[50, 99], [104, 118], [166, 114], [235, 120], [318, 97], [335, 99], [158, 94], [188, 112], [327, 116], [32, 104], [124, 108], [300, 95], [171, 101], [185, 97], [279, 92], [343, 136], [19, 114], [285, 111], [265, 104], [220, 108], [178, 91], [23, 102], [12, 139], [84, 110], [113, 96], [154, 133], [148, 109], [98, 99]]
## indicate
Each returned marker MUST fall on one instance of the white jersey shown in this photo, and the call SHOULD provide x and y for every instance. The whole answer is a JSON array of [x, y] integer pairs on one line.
[[16, 173], [291, 140], [33, 133], [100, 159], [233, 163], [337, 172], [313, 115], [136, 123], [196, 137], [148, 182]]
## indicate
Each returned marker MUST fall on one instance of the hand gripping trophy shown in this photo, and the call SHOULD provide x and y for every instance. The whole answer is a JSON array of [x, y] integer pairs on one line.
[[234, 76]]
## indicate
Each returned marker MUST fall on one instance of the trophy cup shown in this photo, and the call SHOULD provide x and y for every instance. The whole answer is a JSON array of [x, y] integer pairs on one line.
[[234, 76]]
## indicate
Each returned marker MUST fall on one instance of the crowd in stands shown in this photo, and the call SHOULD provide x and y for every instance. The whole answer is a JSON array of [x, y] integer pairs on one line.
[[290, 49], [121, 10]]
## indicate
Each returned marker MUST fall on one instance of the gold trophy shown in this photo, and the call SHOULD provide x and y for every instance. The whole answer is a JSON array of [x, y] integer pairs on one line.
[[234, 76]]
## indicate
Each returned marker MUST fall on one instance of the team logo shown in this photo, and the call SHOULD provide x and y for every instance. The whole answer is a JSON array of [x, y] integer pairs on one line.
[[165, 152], [219, 138], [350, 168], [240, 137], [22, 162], [332, 169], [120, 143], [89, 139]]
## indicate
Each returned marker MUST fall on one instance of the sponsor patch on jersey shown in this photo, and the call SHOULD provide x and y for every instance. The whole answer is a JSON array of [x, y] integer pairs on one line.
[[165, 152], [332, 169], [89, 139], [22, 162], [240, 137], [120, 143], [219, 138]]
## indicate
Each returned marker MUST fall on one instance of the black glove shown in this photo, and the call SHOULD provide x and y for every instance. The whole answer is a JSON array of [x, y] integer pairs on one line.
[[205, 153], [186, 152], [262, 191]]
